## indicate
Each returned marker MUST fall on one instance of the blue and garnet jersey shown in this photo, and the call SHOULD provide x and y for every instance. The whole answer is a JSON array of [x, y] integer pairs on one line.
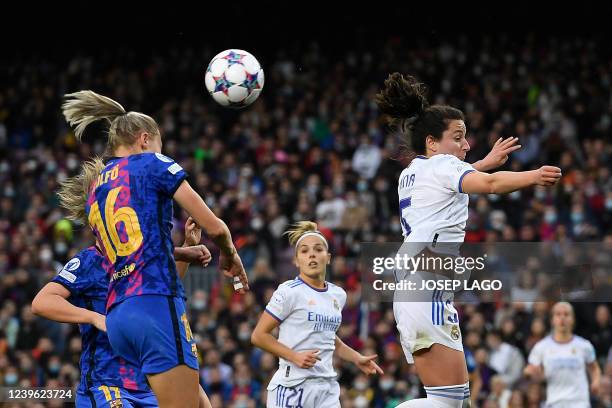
[[129, 209], [86, 279]]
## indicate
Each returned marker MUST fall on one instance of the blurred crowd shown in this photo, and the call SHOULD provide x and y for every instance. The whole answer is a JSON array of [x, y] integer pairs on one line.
[[313, 147]]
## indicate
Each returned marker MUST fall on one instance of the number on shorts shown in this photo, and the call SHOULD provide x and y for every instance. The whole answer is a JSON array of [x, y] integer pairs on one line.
[[289, 401], [107, 392], [188, 332]]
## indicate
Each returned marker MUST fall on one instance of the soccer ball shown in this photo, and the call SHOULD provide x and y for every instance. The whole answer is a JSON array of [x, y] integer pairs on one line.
[[234, 78]]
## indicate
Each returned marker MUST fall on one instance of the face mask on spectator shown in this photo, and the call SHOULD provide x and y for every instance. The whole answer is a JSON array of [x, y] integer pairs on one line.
[[241, 404], [360, 385], [51, 166], [257, 223], [54, 368], [577, 217], [362, 186], [540, 194], [72, 163], [244, 336], [361, 402], [9, 191], [46, 255], [515, 195], [386, 384], [395, 227], [10, 379], [609, 204], [60, 247], [198, 304], [550, 217], [241, 382]]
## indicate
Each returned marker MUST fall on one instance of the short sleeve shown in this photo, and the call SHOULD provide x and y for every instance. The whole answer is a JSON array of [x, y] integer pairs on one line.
[[281, 303], [71, 276], [450, 171], [167, 174], [536, 356], [343, 299], [589, 352]]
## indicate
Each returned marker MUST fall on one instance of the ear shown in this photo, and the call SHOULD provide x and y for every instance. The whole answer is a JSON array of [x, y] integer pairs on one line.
[[145, 139], [431, 143], [328, 259]]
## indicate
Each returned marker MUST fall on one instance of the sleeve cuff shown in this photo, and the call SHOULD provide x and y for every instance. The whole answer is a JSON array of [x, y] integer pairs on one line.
[[273, 315], [178, 184], [64, 284], [461, 179]]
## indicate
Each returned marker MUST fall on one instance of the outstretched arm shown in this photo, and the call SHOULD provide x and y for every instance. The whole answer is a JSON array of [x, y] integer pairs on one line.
[[507, 181], [51, 303], [365, 363], [229, 261], [498, 154]]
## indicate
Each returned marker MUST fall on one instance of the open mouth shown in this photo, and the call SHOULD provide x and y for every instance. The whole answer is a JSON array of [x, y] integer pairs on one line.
[[313, 264]]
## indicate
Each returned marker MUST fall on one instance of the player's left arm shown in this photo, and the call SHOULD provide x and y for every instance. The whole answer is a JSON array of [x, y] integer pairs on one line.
[[595, 376], [498, 154], [365, 363], [51, 302]]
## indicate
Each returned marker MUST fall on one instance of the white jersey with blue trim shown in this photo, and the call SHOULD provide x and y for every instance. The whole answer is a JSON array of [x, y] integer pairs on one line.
[[431, 199], [309, 318], [565, 370]]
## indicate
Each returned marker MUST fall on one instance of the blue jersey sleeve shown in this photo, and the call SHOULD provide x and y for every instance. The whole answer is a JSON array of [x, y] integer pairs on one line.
[[73, 276], [167, 174]]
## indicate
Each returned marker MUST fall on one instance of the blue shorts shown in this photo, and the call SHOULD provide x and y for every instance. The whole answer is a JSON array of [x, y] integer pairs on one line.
[[115, 397], [152, 332]]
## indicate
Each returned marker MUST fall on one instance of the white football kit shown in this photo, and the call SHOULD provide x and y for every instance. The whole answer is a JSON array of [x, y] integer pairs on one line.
[[565, 370], [309, 319], [433, 209]]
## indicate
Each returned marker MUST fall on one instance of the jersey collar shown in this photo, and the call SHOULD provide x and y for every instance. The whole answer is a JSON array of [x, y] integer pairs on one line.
[[313, 288]]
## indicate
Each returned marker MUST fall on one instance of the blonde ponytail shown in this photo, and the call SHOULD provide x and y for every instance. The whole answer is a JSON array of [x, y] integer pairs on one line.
[[298, 229], [85, 107], [73, 192]]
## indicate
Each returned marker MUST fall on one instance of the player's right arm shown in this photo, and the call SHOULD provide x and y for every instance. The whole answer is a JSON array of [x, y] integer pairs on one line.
[[280, 306], [262, 337], [503, 182], [51, 303], [230, 263], [534, 369], [534, 372]]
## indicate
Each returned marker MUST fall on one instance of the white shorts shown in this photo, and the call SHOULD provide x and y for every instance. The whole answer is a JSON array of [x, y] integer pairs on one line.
[[312, 393], [422, 324]]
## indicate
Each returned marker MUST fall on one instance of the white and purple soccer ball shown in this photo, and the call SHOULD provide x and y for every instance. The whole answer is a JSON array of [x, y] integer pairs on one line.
[[234, 78]]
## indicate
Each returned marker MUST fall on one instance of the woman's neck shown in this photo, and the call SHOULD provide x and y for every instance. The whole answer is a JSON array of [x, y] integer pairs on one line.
[[562, 337], [316, 282], [123, 151]]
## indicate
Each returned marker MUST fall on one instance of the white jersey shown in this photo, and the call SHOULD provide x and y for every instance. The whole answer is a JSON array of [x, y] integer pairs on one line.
[[565, 370], [431, 199], [309, 320]]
